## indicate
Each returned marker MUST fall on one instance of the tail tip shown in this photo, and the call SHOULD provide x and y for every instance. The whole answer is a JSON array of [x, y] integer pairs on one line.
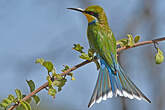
[[149, 101], [91, 103], [146, 99]]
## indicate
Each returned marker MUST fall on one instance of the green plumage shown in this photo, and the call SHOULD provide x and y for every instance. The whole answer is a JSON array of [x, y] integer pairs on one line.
[[101, 38]]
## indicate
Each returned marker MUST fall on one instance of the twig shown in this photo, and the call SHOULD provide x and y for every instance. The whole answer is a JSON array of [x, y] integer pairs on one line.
[[82, 64], [46, 84], [30, 95], [75, 67], [141, 44]]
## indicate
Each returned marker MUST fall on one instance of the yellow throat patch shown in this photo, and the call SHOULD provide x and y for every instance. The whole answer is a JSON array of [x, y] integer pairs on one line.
[[89, 18]]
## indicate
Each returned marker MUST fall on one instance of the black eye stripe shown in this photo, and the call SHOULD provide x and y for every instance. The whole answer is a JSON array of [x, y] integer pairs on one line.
[[92, 13]]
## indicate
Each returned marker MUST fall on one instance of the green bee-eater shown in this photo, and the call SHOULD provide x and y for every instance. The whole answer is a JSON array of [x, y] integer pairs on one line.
[[112, 80]]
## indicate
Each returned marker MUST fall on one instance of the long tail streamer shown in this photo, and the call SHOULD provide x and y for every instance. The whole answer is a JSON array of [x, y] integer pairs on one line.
[[114, 83]]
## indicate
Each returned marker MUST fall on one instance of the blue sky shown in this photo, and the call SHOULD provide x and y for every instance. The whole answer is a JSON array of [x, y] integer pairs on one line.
[[31, 29]]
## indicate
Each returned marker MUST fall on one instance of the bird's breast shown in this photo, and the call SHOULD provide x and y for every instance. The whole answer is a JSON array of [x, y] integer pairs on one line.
[[94, 37]]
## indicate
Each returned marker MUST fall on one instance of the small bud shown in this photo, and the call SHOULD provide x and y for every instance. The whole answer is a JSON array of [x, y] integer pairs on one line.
[[159, 58], [130, 40], [136, 39]]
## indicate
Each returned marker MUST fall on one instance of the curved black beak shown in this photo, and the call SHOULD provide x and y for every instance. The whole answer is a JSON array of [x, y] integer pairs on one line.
[[77, 9]]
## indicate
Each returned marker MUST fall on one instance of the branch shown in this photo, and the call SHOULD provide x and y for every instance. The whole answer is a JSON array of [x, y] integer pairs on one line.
[[46, 84], [82, 64], [141, 44]]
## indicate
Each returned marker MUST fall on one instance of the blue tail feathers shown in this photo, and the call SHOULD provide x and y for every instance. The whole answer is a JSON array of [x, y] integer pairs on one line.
[[114, 82]]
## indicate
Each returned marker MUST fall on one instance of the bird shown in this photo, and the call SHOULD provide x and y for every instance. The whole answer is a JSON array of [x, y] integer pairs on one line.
[[112, 79]]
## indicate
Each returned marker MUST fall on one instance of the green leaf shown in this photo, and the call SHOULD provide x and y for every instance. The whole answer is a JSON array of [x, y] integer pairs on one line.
[[159, 57], [52, 92], [59, 83], [136, 39], [7, 101], [48, 65], [26, 105], [20, 107], [11, 97], [91, 53], [56, 83], [66, 67], [59, 77], [85, 56], [4, 105], [40, 60], [62, 83], [19, 94], [130, 40], [36, 99], [78, 48], [29, 100], [31, 85], [49, 81], [53, 72], [122, 42]]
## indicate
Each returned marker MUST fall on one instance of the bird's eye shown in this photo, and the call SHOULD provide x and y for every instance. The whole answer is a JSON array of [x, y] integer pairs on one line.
[[92, 13]]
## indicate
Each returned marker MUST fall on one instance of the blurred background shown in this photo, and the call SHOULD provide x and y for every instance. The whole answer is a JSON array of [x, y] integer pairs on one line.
[[31, 29]]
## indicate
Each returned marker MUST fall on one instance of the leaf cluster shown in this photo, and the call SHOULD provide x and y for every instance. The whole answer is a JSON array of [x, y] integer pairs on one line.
[[18, 99], [86, 56], [66, 67], [54, 80], [128, 42]]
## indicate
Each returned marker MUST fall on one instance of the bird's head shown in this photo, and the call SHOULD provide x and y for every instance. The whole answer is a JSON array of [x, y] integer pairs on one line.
[[93, 14]]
